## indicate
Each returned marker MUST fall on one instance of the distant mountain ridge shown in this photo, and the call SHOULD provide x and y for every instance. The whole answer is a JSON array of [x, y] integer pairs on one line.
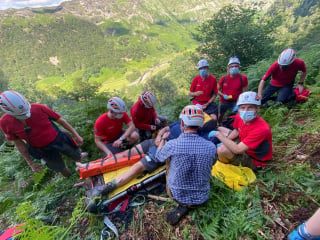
[[104, 9]]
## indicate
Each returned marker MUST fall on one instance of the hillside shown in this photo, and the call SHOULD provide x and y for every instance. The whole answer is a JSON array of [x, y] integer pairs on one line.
[[110, 43]]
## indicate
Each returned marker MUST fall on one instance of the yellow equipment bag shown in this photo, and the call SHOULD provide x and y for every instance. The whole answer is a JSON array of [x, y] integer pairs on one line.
[[234, 177]]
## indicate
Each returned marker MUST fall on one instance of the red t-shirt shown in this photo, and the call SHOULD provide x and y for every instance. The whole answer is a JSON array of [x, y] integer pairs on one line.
[[208, 86], [142, 117], [232, 86], [42, 132], [257, 136], [281, 78], [110, 129]]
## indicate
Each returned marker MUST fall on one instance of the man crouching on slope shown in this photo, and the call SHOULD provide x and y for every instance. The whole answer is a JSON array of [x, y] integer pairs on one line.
[[190, 159], [254, 133], [31, 128]]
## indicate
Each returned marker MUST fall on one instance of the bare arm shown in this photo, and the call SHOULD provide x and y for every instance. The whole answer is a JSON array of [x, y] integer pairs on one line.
[[125, 135], [244, 89], [69, 128], [101, 145], [303, 76], [235, 148], [220, 90], [231, 134], [129, 130], [196, 94], [260, 88], [210, 101], [22, 148], [161, 135]]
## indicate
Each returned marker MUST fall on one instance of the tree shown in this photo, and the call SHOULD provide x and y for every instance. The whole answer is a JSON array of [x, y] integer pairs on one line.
[[235, 31]]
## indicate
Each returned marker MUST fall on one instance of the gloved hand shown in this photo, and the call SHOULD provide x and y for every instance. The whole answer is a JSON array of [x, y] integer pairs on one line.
[[225, 97], [212, 134], [219, 144], [235, 109]]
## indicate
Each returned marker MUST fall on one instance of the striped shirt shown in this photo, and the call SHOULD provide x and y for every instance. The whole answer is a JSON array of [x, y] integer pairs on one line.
[[191, 162]]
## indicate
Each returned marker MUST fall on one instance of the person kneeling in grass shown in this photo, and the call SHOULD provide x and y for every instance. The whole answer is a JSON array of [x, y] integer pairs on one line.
[[189, 162], [254, 133]]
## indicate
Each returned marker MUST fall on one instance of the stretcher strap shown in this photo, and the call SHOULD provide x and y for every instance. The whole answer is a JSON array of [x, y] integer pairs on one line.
[[129, 154], [104, 159], [138, 151]]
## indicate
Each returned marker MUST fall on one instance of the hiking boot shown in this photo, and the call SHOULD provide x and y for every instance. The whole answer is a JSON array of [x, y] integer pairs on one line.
[[91, 205], [175, 215], [101, 190]]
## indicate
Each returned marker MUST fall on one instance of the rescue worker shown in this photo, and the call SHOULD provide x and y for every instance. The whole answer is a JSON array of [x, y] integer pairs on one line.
[[145, 117], [31, 127], [254, 148], [283, 74], [109, 134], [230, 87], [204, 90]]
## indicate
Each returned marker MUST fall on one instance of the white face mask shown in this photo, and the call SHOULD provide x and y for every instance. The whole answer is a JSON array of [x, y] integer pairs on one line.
[[247, 115], [22, 117], [119, 116]]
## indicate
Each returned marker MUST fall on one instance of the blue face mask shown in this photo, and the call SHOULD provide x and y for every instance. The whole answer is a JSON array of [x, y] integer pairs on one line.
[[234, 70], [203, 73], [247, 115]]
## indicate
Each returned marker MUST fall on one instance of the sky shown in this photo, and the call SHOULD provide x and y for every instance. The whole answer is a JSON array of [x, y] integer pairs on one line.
[[5, 4]]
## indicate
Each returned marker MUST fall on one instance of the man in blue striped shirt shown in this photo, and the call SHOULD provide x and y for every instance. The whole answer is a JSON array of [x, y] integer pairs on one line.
[[190, 159]]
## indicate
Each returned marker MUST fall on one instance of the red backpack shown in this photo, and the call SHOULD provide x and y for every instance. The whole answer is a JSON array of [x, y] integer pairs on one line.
[[303, 96]]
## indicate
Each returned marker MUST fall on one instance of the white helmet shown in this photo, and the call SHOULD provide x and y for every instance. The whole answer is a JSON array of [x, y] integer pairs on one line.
[[192, 116], [148, 99], [202, 63], [287, 57], [15, 104], [116, 105], [248, 98], [233, 60]]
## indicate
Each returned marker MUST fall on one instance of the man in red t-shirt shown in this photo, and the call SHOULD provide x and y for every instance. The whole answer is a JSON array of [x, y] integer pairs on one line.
[[144, 116], [33, 132], [255, 137], [204, 90], [108, 132], [282, 74], [230, 87]]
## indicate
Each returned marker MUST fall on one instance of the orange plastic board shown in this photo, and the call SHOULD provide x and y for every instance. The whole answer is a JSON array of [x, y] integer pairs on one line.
[[101, 166]]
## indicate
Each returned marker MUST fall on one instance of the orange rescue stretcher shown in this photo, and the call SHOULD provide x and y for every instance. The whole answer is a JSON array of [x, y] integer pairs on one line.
[[104, 165]]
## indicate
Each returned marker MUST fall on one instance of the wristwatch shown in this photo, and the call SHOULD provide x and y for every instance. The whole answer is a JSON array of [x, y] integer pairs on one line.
[[121, 138]]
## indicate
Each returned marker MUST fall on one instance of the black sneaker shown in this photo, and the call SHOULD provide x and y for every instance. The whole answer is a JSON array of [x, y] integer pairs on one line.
[[92, 206]]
